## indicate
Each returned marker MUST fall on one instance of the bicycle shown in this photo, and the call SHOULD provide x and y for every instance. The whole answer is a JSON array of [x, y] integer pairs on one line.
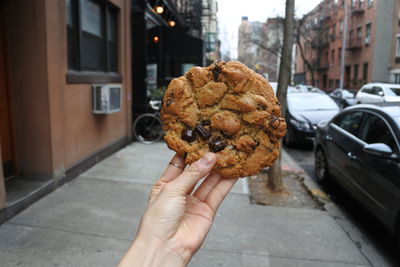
[[147, 128]]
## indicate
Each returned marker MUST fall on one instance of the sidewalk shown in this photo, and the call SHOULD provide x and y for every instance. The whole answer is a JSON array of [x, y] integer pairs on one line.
[[92, 220]]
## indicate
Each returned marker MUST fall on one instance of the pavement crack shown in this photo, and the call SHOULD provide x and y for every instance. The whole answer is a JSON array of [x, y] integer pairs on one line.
[[68, 231]]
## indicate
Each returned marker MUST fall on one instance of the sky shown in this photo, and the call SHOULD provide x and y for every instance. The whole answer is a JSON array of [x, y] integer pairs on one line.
[[230, 13]]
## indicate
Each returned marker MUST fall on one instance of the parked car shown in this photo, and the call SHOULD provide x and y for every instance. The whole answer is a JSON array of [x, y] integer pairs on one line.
[[274, 86], [304, 111], [308, 88], [343, 97], [359, 148], [378, 93]]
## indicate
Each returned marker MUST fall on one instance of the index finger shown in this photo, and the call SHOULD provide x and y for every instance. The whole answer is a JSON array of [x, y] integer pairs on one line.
[[219, 192]]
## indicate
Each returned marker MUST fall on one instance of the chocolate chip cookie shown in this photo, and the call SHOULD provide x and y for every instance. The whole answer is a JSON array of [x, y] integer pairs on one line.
[[224, 108]]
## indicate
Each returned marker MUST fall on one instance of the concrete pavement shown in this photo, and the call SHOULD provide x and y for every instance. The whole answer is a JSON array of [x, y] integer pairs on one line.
[[92, 220]]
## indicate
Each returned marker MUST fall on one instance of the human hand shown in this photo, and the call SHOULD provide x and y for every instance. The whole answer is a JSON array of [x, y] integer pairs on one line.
[[176, 222]]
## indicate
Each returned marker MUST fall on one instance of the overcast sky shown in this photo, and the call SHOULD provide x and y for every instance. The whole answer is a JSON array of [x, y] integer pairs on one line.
[[230, 13]]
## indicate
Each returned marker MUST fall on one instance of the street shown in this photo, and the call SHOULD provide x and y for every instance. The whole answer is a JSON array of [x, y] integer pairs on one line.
[[371, 229]]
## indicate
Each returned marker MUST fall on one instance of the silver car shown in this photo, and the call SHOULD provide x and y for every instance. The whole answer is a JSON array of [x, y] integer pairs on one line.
[[378, 93]]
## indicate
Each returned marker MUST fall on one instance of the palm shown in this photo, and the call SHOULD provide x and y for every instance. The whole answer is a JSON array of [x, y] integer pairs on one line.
[[195, 223]]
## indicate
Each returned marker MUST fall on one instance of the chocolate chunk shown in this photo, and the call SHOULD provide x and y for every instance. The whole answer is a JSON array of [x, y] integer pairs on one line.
[[203, 132], [226, 135], [206, 122], [216, 144], [216, 71], [188, 135], [169, 102]]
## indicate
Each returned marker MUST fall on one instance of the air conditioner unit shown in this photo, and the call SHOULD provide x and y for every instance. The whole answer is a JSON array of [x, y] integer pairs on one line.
[[367, 40], [106, 98]]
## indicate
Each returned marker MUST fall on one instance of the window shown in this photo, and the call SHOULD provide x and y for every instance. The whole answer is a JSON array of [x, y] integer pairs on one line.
[[333, 56], [339, 54], [398, 46], [397, 78], [375, 130], [365, 72], [92, 36], [367, 90], [377, 91], [337, 83], [355, 77], [368, 33], [334, 29], [330, 82], [350, 122], [353, 3], [370, 2], [359, 33], [341, 27]]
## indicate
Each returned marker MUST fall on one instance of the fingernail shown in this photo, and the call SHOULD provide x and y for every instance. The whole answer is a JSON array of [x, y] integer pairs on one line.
[[207, 159]]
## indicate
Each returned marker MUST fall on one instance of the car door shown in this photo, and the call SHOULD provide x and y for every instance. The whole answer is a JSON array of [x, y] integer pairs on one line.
[[377, 95], [363, 95], [341, 140], [378, 175]]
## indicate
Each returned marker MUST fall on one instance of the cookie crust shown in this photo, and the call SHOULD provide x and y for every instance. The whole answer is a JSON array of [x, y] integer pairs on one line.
[[224, 108]]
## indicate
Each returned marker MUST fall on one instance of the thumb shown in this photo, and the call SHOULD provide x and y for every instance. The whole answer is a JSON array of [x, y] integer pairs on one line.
[[189, 178]]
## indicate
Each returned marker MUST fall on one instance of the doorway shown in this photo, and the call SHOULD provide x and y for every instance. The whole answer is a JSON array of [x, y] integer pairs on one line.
[[6, 136]]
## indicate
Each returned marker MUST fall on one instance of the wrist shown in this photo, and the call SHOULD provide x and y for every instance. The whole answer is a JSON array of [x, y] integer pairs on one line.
[[150, 253]]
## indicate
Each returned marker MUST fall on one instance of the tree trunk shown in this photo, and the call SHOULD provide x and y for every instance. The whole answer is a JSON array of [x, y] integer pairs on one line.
[[312, 77], [275, 172]]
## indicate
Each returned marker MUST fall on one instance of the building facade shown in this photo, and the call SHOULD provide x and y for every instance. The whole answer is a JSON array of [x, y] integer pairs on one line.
[[210, 31], [52, 53], [166, 42], [368, 47], [259, 46]]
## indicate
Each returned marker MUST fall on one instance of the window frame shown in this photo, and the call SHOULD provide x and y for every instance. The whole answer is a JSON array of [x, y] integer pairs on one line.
[[81, 74], [340, 116], [386, 123], [397, 45], [368, 32]]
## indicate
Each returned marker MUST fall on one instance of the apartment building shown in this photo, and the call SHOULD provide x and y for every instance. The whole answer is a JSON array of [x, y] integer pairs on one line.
[[51, 55], [260, 45], [367, 42]]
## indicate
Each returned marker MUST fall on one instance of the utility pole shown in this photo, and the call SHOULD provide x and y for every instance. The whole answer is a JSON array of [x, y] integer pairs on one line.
[[344, 42]]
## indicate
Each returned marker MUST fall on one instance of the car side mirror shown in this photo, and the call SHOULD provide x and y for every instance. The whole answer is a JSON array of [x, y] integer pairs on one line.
[[378, 149], [380, 93]]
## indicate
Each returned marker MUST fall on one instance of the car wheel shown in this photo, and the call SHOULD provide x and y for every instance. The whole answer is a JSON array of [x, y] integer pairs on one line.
[[288, 138], [321, 166]]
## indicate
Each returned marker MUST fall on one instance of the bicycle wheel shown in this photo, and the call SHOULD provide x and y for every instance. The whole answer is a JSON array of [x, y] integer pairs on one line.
[[147, 128]]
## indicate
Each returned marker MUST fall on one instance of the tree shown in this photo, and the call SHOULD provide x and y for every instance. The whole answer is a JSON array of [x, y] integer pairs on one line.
[[275, 182], [310, 33]]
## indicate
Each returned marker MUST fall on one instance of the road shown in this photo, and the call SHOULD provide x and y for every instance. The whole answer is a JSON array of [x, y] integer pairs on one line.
[[371, 228]]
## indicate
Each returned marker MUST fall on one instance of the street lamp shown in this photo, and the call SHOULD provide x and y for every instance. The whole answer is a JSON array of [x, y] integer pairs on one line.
[[159, 9], [156, 39], [171, 23]]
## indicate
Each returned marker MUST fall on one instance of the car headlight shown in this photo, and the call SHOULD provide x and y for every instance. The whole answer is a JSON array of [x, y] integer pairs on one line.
[[300, 124]]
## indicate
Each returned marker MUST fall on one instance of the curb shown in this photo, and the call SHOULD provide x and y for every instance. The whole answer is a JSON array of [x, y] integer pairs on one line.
[[312, 187]]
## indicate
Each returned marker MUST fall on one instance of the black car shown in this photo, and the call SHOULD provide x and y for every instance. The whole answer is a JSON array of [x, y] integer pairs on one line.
[[360, 148], [304, 111], [343, 97]]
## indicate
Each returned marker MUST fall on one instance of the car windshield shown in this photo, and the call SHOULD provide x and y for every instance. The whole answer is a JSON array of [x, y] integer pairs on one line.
[[308, 102], [393, 91]]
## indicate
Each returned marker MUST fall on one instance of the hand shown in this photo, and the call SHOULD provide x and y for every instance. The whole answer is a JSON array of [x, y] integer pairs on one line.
[[176, 222]]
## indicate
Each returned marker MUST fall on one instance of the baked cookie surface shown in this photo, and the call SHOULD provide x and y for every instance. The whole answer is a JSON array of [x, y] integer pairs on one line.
[[224, 108]]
